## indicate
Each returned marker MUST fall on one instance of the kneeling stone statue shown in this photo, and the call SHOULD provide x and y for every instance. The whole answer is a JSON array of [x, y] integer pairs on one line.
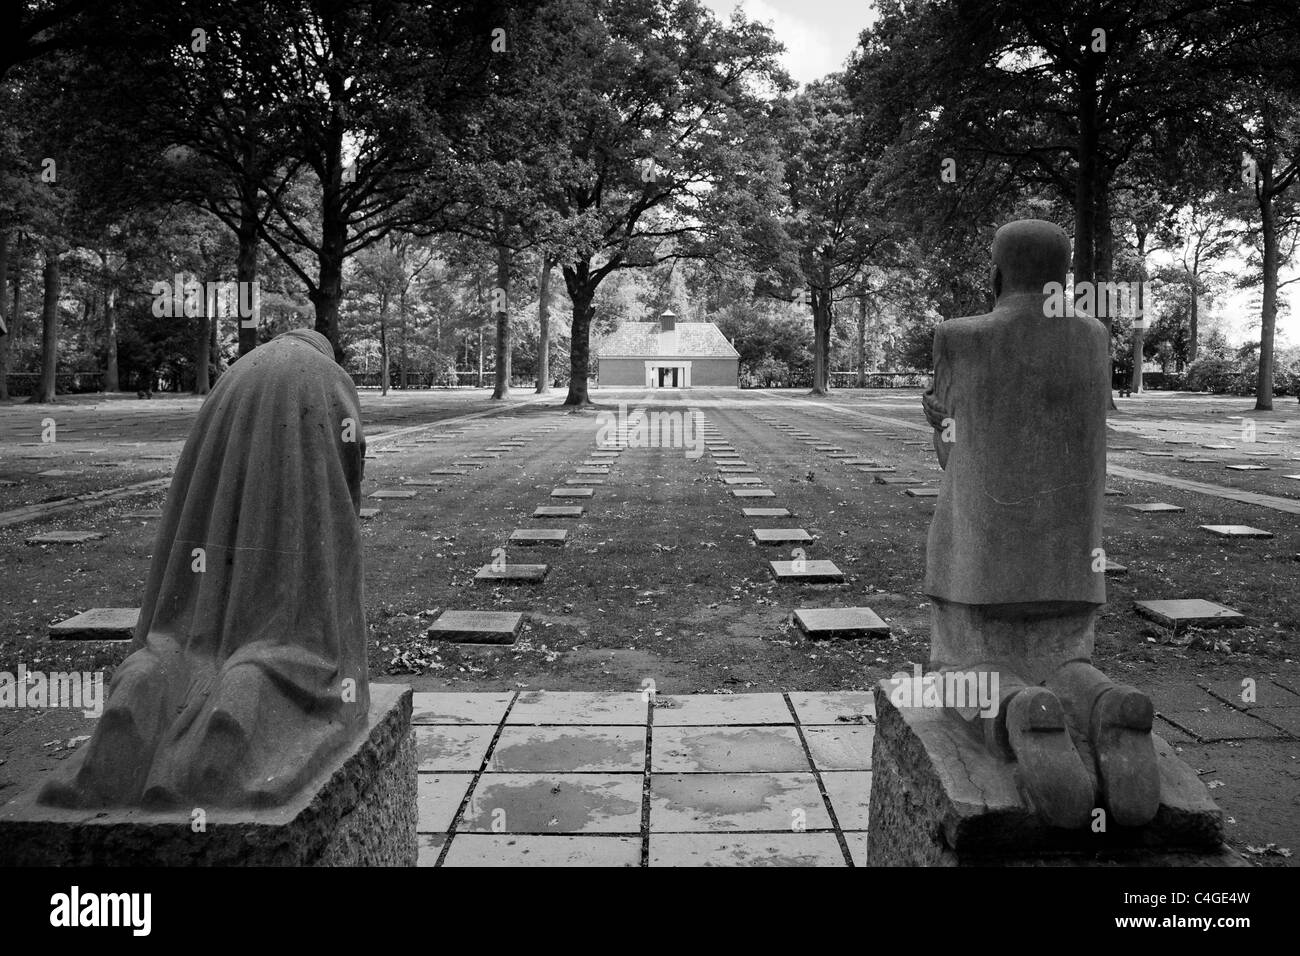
[[1015, 569]]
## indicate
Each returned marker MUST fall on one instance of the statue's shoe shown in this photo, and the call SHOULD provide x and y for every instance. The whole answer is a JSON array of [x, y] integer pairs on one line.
[[1126, 755], [1050, 769]]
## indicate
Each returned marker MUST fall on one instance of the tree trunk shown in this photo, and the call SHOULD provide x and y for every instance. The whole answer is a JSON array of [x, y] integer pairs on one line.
[[501, 382], [246, 268], [383, 343], [821, 309], [202, 380], [14, 320], [1085, 206], [111, 380], [45, 389], [6, 331], [328, 294], [582, 291], [480, 357], [1139, 320], [1268, 314], [862, 342], [544, 328]]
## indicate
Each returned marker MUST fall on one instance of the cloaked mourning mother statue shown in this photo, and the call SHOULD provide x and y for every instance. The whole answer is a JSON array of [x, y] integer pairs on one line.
[[249, 668], [1015, 569]]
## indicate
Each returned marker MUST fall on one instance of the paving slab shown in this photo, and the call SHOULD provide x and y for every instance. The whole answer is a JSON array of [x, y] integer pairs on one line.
[[694, 802], [709, 710], [422, 482], [532, 749], [554, 537], [834, 707], [546, 803], [521, 573], [437, 798], [1193, 460], [782, 536], [850, 793], [1286, 719], [98, 624], [64, 537], [450, 472], [745, 849], [1192, 612], [809, 572], [1236, 531], [820, 624], [736, 469], [922, 492], [1220, 447], [572, 492], [1266, 693], [391, 493], [897, 479], [857, 844], [877, 470], [482, 455], [1155, 507], [1247, 467], [582, 708], [450, 749], [1221, 723], [429, 848], [845, 747], [591, 470], [468, 464], [585, 481], [727, 749], [511, 850], [766, 513], [752, 493], [559, 511], [477, 627], [453, 708]]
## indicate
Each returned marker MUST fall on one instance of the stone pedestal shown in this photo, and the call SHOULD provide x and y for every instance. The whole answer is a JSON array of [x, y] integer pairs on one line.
[[938, 798], [360, 811]]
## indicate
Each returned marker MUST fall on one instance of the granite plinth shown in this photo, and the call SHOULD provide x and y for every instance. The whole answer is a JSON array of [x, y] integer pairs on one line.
[[359, 811], [938, 798]]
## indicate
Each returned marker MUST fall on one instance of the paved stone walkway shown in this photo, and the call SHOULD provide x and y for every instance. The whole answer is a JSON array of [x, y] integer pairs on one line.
[[635, 779]]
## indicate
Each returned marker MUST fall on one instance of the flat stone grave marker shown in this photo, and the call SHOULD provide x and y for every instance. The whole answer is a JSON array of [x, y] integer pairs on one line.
[[741, 480], [1236, 531], [572, 492], [781, 536], [604, 454], [57, 473], [377, 451], [368, 513], [809, 572], [735, 468], [584, 481], [64, 537], [449, 471], [391, 493], [1189, 612], [592, 470], [863, 462], [752, 493], [499, 449], [421, 482], [559, 511], [1179, 441], [876, 469], [525, 573], [1292, 477], [482, 454], [477, 627], [914, 443], [767, 513], [597, 463], [468, 464], [1193, 460], [922, 492], [1247, 467], [1121, 448], [820, 624], [1154, 507], [98, 624], [539, 536], [841, 455], [1158, 454], [897, 480], [727, 456], [1220, 447], [828, 448], [1113, 567]]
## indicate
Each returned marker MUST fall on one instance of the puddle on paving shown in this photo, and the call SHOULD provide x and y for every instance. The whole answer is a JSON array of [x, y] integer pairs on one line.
[[550, 805]]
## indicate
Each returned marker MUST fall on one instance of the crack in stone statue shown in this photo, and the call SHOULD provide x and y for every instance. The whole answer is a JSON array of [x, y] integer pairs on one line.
[[1015, 570], [249, 669]]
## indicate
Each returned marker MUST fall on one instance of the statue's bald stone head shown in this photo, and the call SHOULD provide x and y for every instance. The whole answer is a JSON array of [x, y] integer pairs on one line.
[[1027, 255]]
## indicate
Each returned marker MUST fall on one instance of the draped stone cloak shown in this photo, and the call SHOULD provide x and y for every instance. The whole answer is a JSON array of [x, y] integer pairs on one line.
[[1019, 513], [249, 672]]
